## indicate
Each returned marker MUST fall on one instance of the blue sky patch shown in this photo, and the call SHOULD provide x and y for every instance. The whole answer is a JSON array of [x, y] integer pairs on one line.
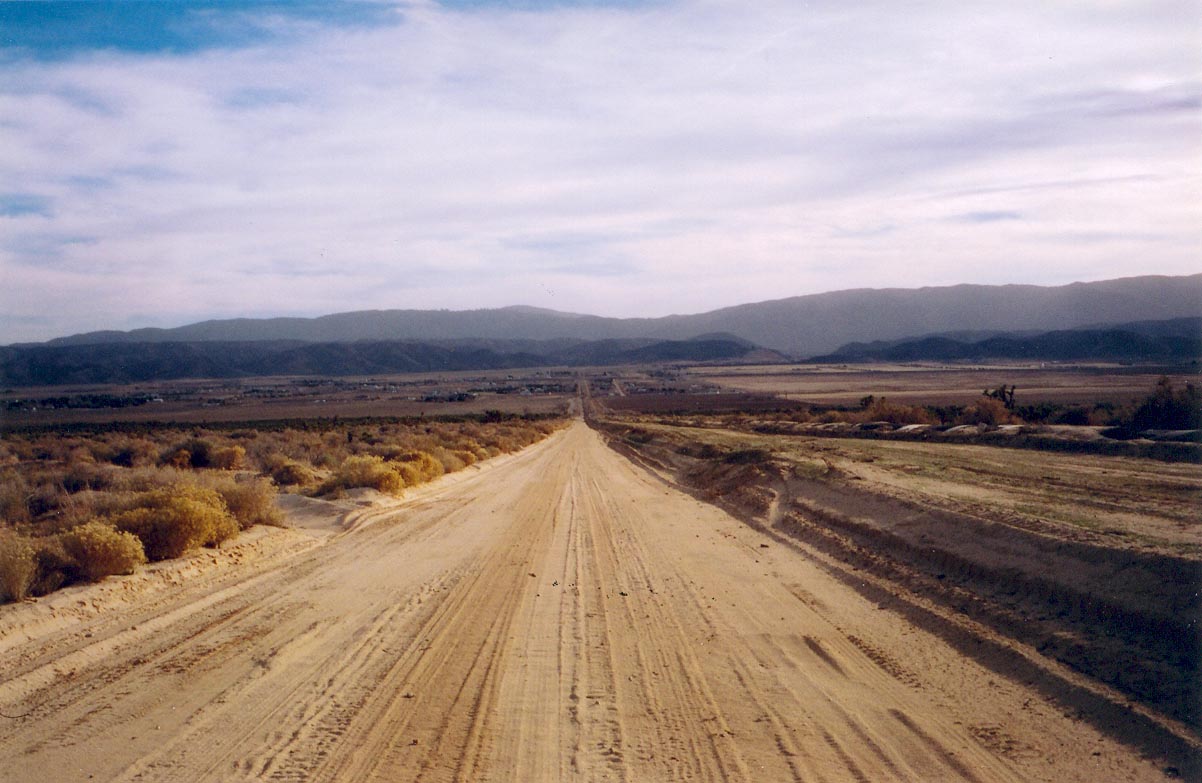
[[59, 30], [20, 204], [538, 5], [990, 216]]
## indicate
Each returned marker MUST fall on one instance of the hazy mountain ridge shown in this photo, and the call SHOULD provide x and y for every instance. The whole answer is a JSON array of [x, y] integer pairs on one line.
[[1170, 340], [800, 326], [132, 362]]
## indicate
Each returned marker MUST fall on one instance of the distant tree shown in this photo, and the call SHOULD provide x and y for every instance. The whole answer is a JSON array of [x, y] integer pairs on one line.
[[1003, 395], [1169, 409]]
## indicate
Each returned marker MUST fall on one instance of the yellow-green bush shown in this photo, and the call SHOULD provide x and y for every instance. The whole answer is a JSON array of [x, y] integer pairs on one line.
[[18, 566], [365, 470], [169, 522], [99, 550]]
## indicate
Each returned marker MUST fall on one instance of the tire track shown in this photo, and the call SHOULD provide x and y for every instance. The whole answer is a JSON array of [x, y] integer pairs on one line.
[[561, 617]]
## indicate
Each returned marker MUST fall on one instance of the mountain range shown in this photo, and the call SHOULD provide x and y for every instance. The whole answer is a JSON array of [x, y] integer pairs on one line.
[[1131, 319], [50, 365], [799, 326], [1172, 340]]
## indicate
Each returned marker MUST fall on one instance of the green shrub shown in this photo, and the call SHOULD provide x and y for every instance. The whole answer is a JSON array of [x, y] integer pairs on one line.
[[18, 566], [99, 550], [171, 521]]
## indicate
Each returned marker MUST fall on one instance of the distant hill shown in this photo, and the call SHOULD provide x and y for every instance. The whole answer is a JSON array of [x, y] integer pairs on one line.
[[1170, 340], [50, 365], [799, 326]]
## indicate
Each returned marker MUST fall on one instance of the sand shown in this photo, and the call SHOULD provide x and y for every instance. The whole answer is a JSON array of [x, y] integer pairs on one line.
[[560, 615]]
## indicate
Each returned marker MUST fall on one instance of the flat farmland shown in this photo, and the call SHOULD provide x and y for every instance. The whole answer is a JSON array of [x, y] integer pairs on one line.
[[942, 384], [260, 399]]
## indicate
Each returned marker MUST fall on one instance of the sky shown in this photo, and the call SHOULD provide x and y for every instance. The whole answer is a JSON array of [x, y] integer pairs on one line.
[[167, 162]]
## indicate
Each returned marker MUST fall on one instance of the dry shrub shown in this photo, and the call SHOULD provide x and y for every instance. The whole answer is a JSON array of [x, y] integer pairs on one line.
[[325, 459], [145, 479], [228, 458], [14, 498], [169, 522], [465, 456], [85, 475], [133, 453], [180, 459], [365, 470], [18, 566], [74, 510], [987, 411], [288, 472], [99, 550], [895, 413], [55, 567], [252, 501], [200, 452], [450, 461], [418, 467]]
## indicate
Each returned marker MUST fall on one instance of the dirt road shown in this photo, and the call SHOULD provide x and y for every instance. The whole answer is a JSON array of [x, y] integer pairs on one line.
[[562, 616]]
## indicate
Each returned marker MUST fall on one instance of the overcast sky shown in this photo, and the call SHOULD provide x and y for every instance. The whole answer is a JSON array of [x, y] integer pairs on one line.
[[166, 162]]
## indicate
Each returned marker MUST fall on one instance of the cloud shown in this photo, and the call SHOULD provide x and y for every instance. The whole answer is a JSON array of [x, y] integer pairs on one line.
[[632, 158], [986, 216]]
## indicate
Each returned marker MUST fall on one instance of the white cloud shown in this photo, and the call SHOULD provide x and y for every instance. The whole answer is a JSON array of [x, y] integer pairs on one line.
[[631, 161]]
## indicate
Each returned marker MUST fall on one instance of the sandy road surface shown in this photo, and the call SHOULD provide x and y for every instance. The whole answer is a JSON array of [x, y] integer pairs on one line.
[[560, 617]]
